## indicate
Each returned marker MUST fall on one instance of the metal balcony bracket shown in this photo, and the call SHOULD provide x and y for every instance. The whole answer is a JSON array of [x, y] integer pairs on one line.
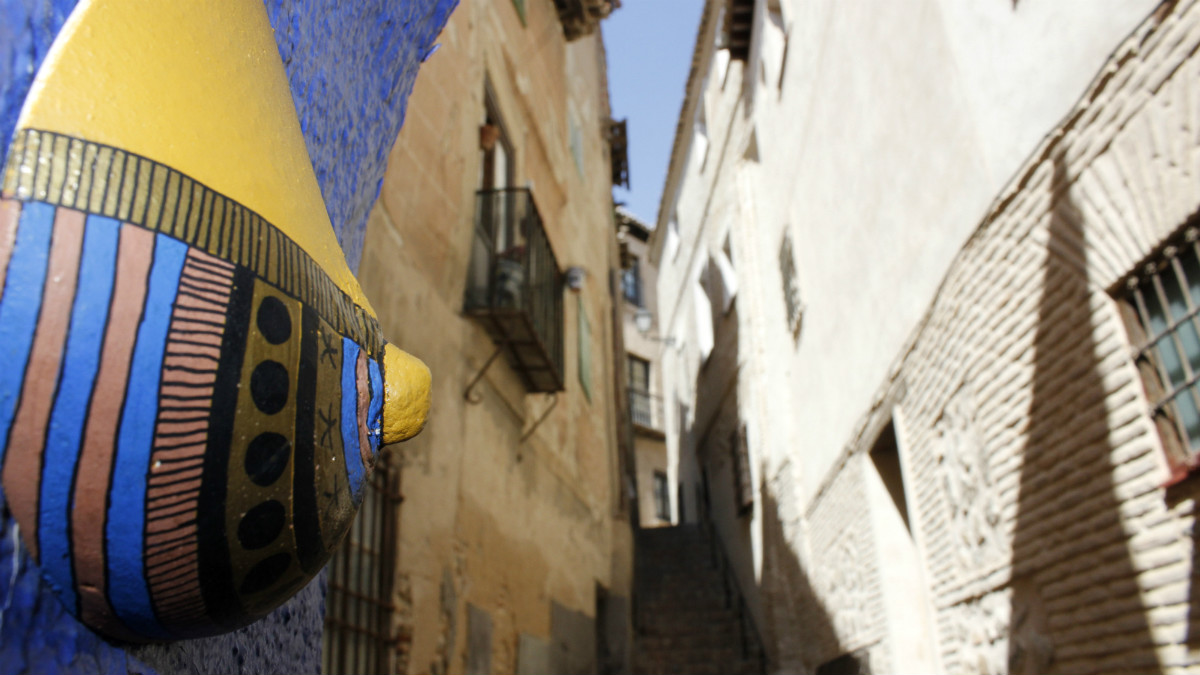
[[545, 414], [474, 397]]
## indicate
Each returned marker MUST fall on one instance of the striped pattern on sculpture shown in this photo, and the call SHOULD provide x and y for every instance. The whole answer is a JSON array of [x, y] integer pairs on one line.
[[151, 383]]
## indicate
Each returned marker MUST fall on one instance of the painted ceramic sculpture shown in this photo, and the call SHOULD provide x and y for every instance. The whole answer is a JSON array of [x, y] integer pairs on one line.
[[193, 387]]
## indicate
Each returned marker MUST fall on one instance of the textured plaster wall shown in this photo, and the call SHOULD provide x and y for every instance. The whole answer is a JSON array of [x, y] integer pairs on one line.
[[350, 74]]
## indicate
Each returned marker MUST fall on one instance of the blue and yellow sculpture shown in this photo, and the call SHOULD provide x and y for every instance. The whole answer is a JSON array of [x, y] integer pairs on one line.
[[193, 385]]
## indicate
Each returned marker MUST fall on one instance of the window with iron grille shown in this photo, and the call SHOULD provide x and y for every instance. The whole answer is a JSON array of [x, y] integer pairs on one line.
[[1160, 303], [360, 635], [662, 497]]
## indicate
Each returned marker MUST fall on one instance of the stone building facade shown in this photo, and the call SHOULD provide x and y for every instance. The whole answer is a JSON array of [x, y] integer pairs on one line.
[[959, 344], [513, 543]]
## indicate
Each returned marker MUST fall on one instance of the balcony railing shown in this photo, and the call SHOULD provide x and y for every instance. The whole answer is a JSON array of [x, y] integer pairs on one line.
[[514, 286], [645, 409]]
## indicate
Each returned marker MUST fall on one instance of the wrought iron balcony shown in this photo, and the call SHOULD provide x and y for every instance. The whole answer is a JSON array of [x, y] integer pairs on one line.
[[514, 286], [645, 409]]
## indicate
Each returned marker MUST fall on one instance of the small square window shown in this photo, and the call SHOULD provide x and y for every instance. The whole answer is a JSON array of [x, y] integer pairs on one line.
[[1160, 304]]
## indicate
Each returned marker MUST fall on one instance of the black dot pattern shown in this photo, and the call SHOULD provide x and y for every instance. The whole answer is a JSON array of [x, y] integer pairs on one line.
[[267, 457], [261, 525], [265, 573], [269, 386], [273, 320]]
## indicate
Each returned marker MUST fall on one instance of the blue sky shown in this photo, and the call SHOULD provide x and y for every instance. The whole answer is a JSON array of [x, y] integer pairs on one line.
[[649, 45]]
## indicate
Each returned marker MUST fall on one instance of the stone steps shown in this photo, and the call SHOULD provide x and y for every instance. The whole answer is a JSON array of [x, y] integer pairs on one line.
[[687, 623]]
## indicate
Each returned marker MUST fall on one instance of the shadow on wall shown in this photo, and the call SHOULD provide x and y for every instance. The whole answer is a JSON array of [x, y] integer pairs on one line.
[[796, 629], [1189, 491], [685, 465], [800, 635], [1075, 602]]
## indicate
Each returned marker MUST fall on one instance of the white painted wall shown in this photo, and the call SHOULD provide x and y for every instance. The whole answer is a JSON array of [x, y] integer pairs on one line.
[[896, 126]]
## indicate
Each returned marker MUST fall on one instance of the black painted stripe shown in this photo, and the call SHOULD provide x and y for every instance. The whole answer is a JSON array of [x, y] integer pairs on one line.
[[216, 568], [309, 546]]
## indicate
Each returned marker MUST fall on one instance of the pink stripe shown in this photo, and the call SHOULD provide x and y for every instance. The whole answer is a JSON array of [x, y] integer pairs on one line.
[[211, 339], [23, 466], [210, 259], [216, 309]]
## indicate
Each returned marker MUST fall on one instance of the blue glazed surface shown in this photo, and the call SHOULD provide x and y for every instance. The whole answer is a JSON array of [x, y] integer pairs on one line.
[[81, 362], [27, 27], [37, 635], [19, 307], [355, 471], [351, 74]]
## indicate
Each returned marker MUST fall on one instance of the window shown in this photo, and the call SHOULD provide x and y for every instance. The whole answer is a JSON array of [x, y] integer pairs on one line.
[[631, 282], [743, 483], [514, 287], [639, 373], [791, 285], [1160, 305], [496, 166], [662, 497], [641, 408], [359, 633]]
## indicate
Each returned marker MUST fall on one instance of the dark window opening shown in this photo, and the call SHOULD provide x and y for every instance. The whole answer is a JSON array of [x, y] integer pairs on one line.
[[662, 497], [886, 457], [631, 283]]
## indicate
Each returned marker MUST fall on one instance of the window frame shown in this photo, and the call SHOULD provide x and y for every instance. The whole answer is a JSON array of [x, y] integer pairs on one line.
[[634, 273], [1164, 398], [661, 490]]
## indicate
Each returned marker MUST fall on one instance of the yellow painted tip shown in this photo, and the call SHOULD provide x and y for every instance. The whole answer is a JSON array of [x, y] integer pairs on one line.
[[406, 387]]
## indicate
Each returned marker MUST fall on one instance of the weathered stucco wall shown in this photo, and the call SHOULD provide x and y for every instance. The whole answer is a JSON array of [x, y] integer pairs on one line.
[[507, 522]]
